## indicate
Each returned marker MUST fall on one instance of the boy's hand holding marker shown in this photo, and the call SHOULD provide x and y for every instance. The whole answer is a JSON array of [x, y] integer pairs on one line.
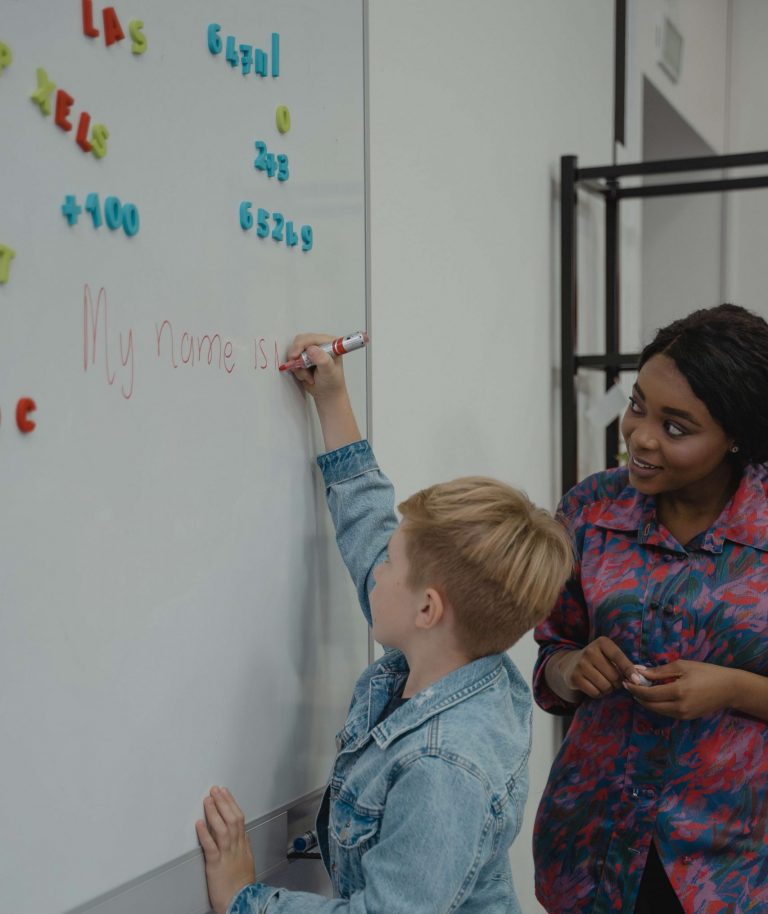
[[324, 381]]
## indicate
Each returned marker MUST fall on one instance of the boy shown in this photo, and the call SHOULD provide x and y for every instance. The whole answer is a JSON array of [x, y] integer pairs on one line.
[[429, 784]]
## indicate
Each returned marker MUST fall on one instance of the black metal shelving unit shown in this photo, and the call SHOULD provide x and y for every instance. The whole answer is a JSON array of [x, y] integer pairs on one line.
[[605, 181]]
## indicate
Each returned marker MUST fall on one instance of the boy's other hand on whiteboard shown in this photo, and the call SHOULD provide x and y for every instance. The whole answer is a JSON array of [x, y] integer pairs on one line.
[[228, 857]]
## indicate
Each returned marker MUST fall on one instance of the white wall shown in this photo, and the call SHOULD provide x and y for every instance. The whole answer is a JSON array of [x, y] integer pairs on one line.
[[700, 93], [471, 106], [748, 120]]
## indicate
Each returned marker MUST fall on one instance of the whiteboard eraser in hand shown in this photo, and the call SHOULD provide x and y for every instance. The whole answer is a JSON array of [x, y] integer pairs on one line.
[[643, 679]]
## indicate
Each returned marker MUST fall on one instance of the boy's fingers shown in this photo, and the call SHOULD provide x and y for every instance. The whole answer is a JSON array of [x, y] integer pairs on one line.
[[209, 846], [215, 823], [303, 340], [228, 808]]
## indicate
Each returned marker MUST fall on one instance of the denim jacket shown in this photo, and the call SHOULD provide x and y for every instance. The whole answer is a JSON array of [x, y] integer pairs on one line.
[[421, 809]]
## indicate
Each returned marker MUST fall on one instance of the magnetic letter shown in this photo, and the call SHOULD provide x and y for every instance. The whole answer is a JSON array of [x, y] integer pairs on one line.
[[64, 102], [113, 31], [138, 37], [6, 57], [275, 54], [88, 28], [99, 136], [82, 132], [24, 407], [6, 256], [42, 95]]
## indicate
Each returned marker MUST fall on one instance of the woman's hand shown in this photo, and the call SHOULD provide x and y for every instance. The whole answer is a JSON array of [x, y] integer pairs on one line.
[[594, 671], [695, 690], [228, 858]]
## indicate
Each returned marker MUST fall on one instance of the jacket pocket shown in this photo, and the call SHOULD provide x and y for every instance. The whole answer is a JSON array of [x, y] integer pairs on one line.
[[351, 833]]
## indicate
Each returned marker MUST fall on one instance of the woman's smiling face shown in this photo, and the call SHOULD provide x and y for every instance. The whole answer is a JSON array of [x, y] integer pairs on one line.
[[673, 442]]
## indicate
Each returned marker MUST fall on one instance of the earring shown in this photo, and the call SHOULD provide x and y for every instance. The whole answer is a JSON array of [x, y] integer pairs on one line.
[[735, 449]]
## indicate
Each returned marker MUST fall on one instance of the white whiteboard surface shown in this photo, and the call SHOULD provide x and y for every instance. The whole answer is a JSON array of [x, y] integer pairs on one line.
[[173, 611]]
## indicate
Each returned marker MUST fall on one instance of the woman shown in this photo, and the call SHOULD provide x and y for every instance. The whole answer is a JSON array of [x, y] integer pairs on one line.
[[658, 798]]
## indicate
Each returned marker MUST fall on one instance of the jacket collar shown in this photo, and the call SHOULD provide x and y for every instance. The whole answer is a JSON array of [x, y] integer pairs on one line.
[[452, 689], [744, 519]]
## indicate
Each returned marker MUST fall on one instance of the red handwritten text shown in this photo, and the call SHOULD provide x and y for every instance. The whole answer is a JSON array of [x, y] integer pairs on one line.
[[193, 350], [90, 340]]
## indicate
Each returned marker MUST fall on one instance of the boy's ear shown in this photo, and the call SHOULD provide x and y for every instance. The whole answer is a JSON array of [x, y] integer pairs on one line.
[[432, 609]]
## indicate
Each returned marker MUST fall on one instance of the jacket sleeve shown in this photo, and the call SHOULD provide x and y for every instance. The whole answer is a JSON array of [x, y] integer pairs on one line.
[[567, 626], [362, 505], [418, 866]]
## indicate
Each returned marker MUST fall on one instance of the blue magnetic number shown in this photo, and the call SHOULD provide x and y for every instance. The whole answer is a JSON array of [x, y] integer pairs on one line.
[[282, 168], [93, 207], [113, 212], [307, 237], [246, 216], [271, 164], [214, 39], [71, 210], [277, 232], [231, 53], [130, 219], [261, 158], [246, 58], [291, 238], [262, 226]]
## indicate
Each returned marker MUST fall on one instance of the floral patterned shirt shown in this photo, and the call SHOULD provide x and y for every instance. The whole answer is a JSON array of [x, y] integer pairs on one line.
[[624, 775]]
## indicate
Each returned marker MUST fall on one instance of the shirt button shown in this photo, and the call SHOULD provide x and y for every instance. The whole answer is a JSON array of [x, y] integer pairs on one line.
[[687, 860]]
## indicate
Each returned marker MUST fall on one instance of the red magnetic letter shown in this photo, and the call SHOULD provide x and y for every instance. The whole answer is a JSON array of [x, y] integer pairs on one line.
[[24, 407], [64, 102], [88, 28], [113, 31], [82, 132]]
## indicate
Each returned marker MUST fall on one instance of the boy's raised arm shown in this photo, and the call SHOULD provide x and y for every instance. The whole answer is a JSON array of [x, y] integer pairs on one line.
[[360, 497]]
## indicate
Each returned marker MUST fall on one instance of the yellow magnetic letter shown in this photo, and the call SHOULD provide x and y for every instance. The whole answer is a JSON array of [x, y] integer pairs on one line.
[[42, 95], [6, 256], [6, 57], [139, 38], [99, 136]]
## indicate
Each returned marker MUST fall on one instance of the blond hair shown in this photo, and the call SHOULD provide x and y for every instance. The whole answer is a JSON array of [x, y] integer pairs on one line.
[[496, 558]]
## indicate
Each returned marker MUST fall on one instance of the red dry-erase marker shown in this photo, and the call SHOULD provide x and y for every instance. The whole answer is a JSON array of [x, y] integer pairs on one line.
[[339, 346]]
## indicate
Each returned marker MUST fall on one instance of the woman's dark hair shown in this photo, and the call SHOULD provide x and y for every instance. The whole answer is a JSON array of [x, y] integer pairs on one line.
[[723, 354]]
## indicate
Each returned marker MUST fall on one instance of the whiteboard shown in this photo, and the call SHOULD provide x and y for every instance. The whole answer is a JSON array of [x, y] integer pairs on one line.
[[173, 611]]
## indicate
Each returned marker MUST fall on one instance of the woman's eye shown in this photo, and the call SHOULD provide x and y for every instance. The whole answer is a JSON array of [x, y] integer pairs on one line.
[[633, 405], [674, 430]]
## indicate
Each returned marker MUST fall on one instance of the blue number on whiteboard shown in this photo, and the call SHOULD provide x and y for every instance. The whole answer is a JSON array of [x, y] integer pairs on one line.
[[130, 219], [246, 217], [214, 40], [291, 238], [262, 227], [92, 207], [246, 51], [277, 233], [231, 53], [282, 168], [113, 212], [307, 238], [261, 158]]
